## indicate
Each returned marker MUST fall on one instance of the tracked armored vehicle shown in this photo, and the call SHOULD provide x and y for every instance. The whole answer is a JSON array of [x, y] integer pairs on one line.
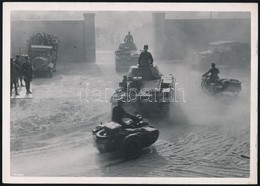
[[126, 55], [145, 90]]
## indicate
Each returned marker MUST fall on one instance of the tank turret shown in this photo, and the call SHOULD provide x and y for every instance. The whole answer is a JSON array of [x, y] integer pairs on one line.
[[145, 88], [126, 55]]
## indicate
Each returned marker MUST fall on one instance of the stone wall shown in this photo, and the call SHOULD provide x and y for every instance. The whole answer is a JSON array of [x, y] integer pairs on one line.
[[77, 37]]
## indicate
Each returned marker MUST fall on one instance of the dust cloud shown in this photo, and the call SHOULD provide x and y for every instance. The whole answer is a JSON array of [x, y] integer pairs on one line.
[[180, 50], [195, 107]]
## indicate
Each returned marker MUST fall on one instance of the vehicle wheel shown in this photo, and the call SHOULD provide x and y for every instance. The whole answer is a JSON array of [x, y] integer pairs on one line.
[[101, 148], [204, 86], [153, 136], [51, 73], [101, 140], [131, 147], [208, 89]]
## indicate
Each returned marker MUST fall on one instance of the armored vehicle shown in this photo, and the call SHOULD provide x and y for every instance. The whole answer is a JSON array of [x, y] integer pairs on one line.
[[126, 56], [128, 141], [145, 90], [42, 59]]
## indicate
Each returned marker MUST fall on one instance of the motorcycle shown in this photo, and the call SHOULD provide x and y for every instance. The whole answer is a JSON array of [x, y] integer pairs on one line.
[[221, 85], [128, 141]]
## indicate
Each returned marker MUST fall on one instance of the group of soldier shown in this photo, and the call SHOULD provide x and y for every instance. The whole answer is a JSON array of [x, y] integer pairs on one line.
[[21, 71]]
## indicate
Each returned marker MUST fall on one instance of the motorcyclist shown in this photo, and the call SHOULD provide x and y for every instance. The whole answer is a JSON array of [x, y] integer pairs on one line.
[[118, 113], [145, 58], [213, 77]]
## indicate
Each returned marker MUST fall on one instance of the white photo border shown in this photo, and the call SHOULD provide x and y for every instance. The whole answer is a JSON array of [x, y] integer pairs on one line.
[[48, 6]]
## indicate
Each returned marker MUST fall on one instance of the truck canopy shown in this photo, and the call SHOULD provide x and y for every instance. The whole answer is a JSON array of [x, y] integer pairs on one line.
[[41, 47], [227, 43]]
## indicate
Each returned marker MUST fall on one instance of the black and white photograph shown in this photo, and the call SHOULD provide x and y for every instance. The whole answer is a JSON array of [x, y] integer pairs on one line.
[[130, 93]]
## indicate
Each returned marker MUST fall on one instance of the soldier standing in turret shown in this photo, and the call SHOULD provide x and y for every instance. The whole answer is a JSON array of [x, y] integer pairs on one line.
[[145, 58], [129, 38]]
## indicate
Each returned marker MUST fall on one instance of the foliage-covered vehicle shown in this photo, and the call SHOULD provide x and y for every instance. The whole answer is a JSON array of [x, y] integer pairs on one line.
[[145, 90], [128, 141], [46, 41], [228, 53], [126, 56], [42, 59]]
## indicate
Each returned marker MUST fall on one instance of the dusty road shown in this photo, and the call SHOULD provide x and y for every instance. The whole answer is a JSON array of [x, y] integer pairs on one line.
[[205, 136]]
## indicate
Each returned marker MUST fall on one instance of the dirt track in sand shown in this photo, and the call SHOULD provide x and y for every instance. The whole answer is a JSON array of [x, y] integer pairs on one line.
[[204, 136]]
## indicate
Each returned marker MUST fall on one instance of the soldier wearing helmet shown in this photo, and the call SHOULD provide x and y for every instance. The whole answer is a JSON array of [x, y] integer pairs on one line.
[[118, 113], [213, 77], [129, 38]]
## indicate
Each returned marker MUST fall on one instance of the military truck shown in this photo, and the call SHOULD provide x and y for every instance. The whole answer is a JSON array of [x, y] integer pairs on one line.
[[42, 59], [145, 90], [44, 46], [125, 56], [228, 53]]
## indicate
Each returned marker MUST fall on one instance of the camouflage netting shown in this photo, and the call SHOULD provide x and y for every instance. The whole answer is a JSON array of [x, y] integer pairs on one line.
[[43, 39]]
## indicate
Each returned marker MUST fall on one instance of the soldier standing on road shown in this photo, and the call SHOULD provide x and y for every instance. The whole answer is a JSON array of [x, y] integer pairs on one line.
[[19, 72], [14, 76], [27, 70], [145, 58]]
